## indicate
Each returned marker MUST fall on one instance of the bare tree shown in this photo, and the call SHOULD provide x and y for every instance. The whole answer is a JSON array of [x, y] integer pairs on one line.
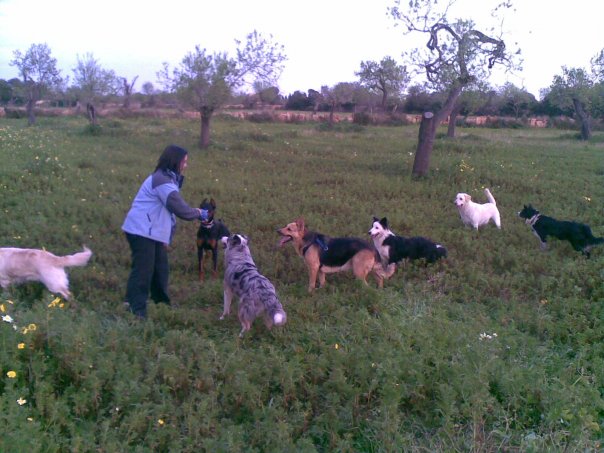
[[127, 89], [206, 81], [39, 72], [386, 77], [456, 55]]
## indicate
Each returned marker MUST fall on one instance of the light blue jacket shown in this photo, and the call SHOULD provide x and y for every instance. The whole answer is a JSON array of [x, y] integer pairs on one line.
[[155, 207]]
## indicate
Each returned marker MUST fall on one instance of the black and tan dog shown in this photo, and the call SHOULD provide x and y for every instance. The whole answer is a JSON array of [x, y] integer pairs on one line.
[[578, 234], [325, 255], [209, 236]]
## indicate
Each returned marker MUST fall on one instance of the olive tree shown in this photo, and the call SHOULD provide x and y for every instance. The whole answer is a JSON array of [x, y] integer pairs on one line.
[[92, 82], [574, 89], [457, 55], [39, 72], [205, 81], [385, 77]]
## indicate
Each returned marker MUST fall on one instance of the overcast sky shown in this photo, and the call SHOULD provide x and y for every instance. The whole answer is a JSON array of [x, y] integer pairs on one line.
[[325, 40]]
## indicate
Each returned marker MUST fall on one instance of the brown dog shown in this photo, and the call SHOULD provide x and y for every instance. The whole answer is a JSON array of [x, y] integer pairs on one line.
[[325, 255]]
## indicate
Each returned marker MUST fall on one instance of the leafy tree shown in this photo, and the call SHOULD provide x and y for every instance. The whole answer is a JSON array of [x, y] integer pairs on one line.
[[267, 93], [386, 77], [457, 55], [39, 72], [574, 88], [6, 92], [516, 101], [337, 95], [92, 82], [206, 81], [149, 91], [298, 101]]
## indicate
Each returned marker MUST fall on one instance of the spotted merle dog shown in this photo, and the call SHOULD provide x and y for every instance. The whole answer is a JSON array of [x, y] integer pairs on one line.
[[256, 293]]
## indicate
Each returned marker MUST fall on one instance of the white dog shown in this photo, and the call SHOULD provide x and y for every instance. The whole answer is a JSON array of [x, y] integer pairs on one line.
[[28, 265], [475, 214]]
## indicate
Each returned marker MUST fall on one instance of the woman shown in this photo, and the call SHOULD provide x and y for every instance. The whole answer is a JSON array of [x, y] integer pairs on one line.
[[149, 226]]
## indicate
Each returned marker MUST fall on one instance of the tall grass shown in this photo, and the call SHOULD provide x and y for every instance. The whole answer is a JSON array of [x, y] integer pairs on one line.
[[500, 347]]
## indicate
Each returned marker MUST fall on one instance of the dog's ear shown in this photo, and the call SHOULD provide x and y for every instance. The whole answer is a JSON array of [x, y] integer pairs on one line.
[[202, 202], [212, 203], [384, 222], [224, 240], [300, 223], [375, 219]]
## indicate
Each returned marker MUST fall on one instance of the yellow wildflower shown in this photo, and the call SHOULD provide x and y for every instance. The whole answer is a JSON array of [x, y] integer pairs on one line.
[[11, 374], [55, 302], [21, 346], [2, 309], [32, 327], [160, 422]]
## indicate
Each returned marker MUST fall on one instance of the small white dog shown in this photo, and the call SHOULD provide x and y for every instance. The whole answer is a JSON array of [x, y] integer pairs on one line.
[[475, 214], [29, 265]]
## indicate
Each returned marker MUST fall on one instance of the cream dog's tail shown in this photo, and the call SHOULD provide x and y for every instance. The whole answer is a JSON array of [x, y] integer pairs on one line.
[[77, 259], [487, 192]]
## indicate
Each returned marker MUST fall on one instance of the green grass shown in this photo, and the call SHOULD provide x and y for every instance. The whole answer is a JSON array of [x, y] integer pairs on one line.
[[413, 367]]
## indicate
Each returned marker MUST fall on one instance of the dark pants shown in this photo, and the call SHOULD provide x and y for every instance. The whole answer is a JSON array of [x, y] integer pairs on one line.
[[149, 273]]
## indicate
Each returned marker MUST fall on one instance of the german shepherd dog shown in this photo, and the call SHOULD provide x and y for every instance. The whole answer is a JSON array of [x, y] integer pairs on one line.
[[209, 235], [28, 265], [578, 234], [325, 255], [256, 293], [393, 248]]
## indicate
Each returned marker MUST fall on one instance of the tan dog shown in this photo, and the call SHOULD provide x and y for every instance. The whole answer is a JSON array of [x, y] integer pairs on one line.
[[325, 255], [475, 214], [28, 265]]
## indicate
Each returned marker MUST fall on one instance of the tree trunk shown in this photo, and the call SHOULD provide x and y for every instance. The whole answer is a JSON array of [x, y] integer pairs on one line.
[[584, 118], [204, 138], [427, 131], [452, 122], [91, 111], [31, 117]]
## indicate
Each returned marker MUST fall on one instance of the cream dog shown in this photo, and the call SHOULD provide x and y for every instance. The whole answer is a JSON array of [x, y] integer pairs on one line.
[[29, 265], [475, 214]]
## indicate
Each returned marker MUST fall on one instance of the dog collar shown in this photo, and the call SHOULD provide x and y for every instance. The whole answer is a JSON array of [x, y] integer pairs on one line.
[[533, 219]]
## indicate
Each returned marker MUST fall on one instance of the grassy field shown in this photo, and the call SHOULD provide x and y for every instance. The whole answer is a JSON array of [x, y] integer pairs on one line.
[[498, 348]]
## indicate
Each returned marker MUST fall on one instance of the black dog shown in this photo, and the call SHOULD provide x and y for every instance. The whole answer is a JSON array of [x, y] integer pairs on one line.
[[209, 235], [393, 248], [578, 234]]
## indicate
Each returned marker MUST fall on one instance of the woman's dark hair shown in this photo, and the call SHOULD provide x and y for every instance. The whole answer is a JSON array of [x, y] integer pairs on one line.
[[171, 158]]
